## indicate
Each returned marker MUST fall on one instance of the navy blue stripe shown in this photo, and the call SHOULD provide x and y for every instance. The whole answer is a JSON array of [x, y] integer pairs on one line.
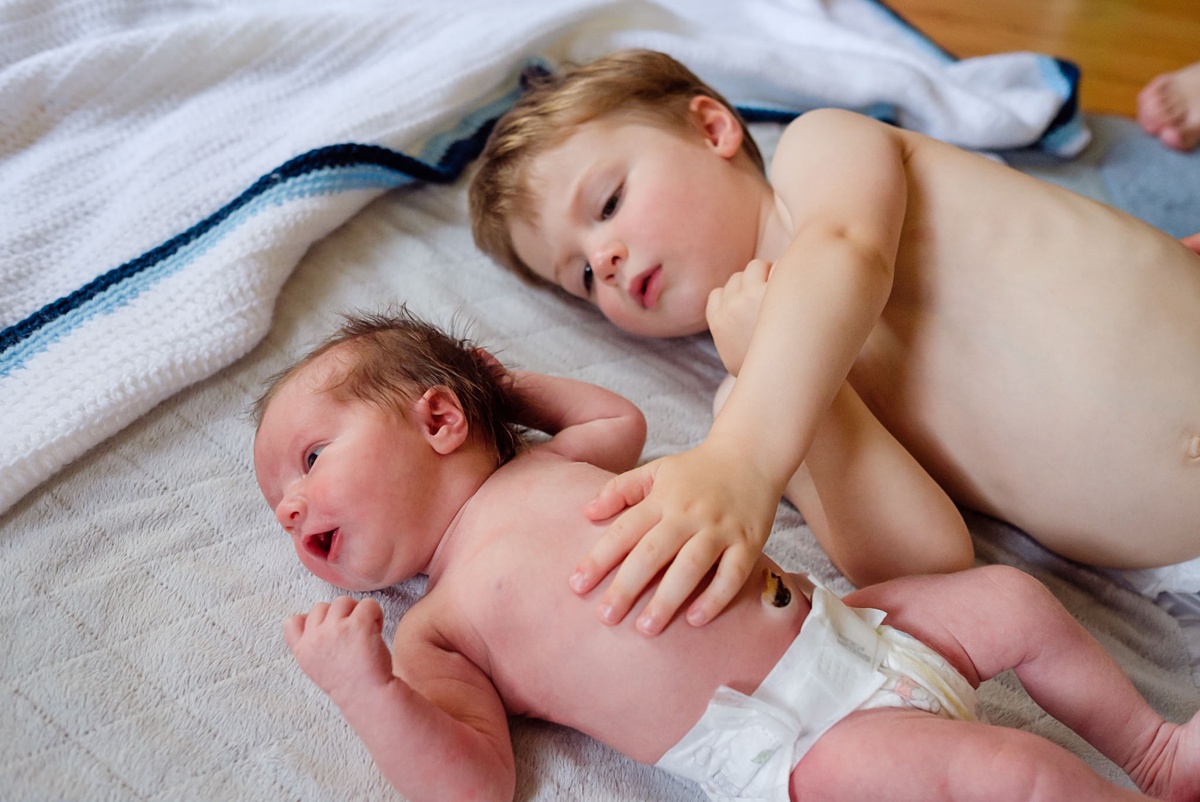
[[448, 168], [1070, 107]]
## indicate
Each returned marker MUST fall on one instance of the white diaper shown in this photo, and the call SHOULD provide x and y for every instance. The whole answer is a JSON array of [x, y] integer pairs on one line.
[[745, 747]]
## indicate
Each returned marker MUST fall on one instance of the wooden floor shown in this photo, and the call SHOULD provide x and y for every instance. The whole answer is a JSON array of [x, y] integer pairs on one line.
[[1118, 44]]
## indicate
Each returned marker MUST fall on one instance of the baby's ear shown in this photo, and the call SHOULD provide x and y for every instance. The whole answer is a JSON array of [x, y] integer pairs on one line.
[[442, 421], [718, 124]]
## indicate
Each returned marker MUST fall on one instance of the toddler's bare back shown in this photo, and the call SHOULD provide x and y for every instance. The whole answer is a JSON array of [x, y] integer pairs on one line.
[[1040, 355]]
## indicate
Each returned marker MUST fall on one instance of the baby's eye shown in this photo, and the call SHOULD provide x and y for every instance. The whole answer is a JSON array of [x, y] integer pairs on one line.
[[610, 206], [311, 457], [589, 278]]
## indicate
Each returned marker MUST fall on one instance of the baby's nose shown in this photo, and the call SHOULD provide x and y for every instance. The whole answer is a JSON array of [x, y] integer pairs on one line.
[[290, 513]]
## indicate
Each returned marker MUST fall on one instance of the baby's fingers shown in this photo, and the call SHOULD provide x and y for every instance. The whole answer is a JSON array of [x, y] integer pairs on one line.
[[681, 579], [293, 628], [368, 612], [732, 572]]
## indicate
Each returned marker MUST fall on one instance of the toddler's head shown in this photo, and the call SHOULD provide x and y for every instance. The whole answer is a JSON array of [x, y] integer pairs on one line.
[[640, 85]]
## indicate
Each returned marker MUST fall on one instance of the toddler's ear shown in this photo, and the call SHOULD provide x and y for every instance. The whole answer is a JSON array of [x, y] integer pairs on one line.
[[717, 123], [442, 421]]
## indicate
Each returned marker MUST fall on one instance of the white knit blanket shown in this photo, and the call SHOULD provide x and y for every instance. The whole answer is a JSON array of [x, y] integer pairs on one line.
[[165, 165]]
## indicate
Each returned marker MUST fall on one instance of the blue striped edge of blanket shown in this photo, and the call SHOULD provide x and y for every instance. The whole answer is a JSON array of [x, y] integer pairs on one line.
[[322, 171]]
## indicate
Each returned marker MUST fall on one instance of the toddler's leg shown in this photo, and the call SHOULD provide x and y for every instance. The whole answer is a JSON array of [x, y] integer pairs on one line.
[[909, 756], [995, 618], [1169, 108]]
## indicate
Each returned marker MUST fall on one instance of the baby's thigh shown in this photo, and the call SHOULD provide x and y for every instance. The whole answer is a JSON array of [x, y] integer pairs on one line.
[[900, 755]]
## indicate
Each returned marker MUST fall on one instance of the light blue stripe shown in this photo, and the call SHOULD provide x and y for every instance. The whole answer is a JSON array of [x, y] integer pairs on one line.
[[1053, 76], [322, 182]]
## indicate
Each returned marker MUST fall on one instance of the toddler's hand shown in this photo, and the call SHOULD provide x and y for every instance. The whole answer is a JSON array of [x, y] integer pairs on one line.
[[732, 312], [693, 510], [340, 646]]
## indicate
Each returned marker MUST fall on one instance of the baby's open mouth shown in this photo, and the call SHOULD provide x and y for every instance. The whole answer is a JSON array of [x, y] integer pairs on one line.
[[321, 544]]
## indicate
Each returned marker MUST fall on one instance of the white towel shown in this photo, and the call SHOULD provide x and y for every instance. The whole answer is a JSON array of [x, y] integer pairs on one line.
[[164, 166]]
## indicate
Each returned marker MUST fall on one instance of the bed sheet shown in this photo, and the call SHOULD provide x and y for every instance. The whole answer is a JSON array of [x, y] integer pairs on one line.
[[146, 584]]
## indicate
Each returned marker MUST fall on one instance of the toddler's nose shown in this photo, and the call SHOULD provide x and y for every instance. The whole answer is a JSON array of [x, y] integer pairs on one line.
[[607, 262]]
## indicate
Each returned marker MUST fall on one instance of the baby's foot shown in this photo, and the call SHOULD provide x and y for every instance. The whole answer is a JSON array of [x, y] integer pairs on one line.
[[1171, 768], [1169, 108]]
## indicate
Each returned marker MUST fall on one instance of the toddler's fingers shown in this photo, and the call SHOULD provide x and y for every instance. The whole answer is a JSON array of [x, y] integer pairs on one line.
[[758, 270], [652, 552], [612, 547], [713, 304], [732, 572], [681, 579], [620, 492]]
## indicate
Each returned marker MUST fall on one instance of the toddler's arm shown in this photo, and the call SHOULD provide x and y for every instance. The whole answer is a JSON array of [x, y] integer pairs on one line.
[[447, 714], [842, 180]]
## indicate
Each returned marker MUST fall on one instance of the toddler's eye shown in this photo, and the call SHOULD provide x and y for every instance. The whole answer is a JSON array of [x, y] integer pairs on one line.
[[588, 278], [610, 206], [311, 457]]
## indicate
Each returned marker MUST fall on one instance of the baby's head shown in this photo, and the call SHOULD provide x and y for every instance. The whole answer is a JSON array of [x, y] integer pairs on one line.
[[639, 86], [390, 359], [350, 443]]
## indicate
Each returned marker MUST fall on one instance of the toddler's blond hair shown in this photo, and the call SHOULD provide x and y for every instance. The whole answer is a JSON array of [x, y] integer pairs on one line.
[[645, 85]]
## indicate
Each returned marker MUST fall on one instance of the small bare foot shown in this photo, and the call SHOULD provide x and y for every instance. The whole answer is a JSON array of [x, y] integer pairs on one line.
[[1192, 241], [1171, 768], [1169, 108]]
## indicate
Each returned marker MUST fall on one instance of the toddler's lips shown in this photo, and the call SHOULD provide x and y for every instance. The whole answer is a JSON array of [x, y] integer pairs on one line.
[[646, 287]]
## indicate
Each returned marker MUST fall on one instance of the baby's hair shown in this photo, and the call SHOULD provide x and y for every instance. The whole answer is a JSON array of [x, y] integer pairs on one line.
[[394, 357], [645, 85]]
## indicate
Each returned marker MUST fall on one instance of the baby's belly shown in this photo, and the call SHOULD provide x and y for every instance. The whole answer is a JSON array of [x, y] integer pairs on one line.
[[641, 695]]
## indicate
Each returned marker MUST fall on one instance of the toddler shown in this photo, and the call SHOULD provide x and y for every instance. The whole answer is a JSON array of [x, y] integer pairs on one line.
[[913, 328]]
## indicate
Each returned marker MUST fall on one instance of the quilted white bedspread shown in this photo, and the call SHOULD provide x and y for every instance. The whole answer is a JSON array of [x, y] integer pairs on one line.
[[229, 162]]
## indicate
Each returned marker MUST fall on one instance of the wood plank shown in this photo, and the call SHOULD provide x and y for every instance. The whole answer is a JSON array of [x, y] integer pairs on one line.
[[1118, 44]]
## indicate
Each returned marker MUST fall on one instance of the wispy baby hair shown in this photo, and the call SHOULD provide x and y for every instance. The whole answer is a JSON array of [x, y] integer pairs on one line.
[[390, 359], [645, 85]]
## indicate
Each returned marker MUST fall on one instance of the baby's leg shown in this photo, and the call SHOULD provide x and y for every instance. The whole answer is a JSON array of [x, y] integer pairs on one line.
[[906, 755], [1169, 108], [995, 618]]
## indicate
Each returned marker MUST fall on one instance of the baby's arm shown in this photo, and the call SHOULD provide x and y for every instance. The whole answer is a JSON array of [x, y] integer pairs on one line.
[[586, 422], [842, 180], [444, 712]]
